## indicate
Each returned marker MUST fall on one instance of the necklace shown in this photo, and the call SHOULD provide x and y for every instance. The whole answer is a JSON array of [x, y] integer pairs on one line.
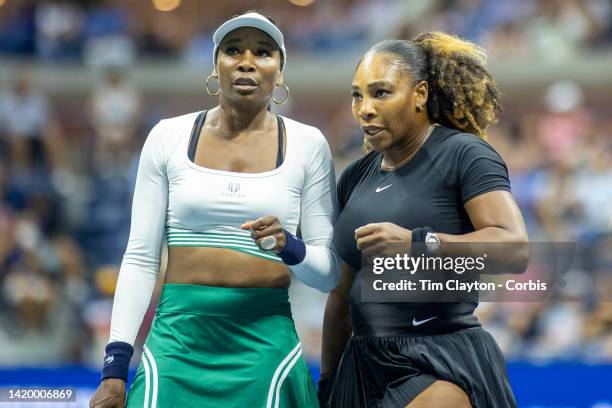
[[426, 134]]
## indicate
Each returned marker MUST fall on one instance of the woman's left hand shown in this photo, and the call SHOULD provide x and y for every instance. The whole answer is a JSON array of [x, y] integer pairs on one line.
[[264, 227], [382, 239]]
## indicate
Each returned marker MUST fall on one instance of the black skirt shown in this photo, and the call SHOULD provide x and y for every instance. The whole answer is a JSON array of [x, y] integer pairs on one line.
[[391, 371]]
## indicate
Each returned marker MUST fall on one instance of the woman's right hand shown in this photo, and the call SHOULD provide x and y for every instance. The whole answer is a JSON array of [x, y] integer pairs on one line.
[[110, 394]]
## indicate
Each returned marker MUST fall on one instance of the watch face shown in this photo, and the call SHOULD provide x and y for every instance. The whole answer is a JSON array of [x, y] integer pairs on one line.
[[432, 240]]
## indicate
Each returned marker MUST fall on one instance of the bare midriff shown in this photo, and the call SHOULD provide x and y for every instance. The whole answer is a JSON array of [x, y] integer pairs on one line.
[[256, 153], [224, 267]]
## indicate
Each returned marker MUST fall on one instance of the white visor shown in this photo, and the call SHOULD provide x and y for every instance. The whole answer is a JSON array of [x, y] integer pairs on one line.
[[255, 20]]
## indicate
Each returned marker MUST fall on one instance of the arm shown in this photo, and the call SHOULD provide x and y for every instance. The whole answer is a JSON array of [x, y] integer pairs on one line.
[[140, 266], [336, 325], [484, 185], [482, 181], [311, 259], [319, 208], [138, 272], [496, 219]]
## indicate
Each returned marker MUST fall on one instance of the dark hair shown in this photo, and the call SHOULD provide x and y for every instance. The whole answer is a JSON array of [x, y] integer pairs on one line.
[[462, 93]]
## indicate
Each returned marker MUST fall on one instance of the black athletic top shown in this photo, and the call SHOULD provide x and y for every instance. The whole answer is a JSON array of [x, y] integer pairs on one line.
[[429, 191]]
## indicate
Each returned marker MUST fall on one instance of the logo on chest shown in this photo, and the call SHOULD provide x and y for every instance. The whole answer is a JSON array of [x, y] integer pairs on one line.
[[379, 189], [232, 189]]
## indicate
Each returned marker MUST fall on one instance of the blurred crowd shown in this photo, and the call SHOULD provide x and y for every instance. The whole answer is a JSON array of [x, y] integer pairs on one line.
[[120, 31], [64, 216], [560, 163], [66, 185]]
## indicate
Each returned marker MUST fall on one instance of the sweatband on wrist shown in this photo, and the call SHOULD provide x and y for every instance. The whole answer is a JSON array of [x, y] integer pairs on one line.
[[419, 234], [294, 251], [117, 360], [418, 238]]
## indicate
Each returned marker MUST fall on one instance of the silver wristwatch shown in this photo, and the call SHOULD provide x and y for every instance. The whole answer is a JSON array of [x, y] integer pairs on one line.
[[432, 242]]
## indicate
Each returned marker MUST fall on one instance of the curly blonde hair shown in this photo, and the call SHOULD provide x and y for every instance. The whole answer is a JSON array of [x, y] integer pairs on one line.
[[462, 93]]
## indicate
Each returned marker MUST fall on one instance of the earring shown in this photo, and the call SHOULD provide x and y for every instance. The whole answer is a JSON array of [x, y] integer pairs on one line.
[[286, 96], [419, 108], [208, 87]]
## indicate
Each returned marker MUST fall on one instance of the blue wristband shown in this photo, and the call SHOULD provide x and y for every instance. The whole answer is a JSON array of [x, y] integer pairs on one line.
[[419, 234], [418, 238], [117, 360], [294, 251]]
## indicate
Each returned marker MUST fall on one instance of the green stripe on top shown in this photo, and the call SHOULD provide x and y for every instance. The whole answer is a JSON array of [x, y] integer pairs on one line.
[[220, 237]]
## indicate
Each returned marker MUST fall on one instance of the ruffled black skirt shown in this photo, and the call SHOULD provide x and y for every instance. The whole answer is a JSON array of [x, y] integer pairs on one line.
[[391, 371]]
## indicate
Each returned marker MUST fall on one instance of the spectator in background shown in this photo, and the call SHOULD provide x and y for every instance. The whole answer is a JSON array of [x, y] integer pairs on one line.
[[507, 42], [17, 31], [107, 41], [566, 122], [565, 133], [59, 29], [594, 188], [597, 328], [556, 202], [24, 119], [560, 28], [115, 112], [27, 293], [199, 49], [40, 324], [97, 313]]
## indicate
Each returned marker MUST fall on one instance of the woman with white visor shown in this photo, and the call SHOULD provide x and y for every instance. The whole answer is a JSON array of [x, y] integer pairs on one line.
[[228, 188]]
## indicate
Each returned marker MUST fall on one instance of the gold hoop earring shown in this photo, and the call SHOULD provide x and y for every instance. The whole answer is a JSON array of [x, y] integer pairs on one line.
[[208, 87], [286, 97], [419, 108]]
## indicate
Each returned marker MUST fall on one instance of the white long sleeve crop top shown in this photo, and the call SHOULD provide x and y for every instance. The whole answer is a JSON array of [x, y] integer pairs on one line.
[[193, 205]]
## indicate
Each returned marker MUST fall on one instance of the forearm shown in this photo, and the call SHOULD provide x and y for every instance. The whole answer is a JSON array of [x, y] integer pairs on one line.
[[507, 251], [320, 268], [131, 301], [132, 297], [336, 332], [487, 234], [140, 264]]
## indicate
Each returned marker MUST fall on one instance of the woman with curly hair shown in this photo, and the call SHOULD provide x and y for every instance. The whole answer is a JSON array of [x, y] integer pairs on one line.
[[429, 177]]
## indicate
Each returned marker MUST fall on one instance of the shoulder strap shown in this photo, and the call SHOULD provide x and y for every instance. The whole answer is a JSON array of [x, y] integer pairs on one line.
[[281, 133], [195, 135]]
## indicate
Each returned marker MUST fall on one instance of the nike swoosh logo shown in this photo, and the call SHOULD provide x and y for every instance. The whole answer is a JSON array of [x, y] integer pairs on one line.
[[379, 189], [416, 322]]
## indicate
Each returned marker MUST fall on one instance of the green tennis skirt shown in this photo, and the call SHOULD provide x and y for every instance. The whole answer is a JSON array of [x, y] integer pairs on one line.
[[222, 347]]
